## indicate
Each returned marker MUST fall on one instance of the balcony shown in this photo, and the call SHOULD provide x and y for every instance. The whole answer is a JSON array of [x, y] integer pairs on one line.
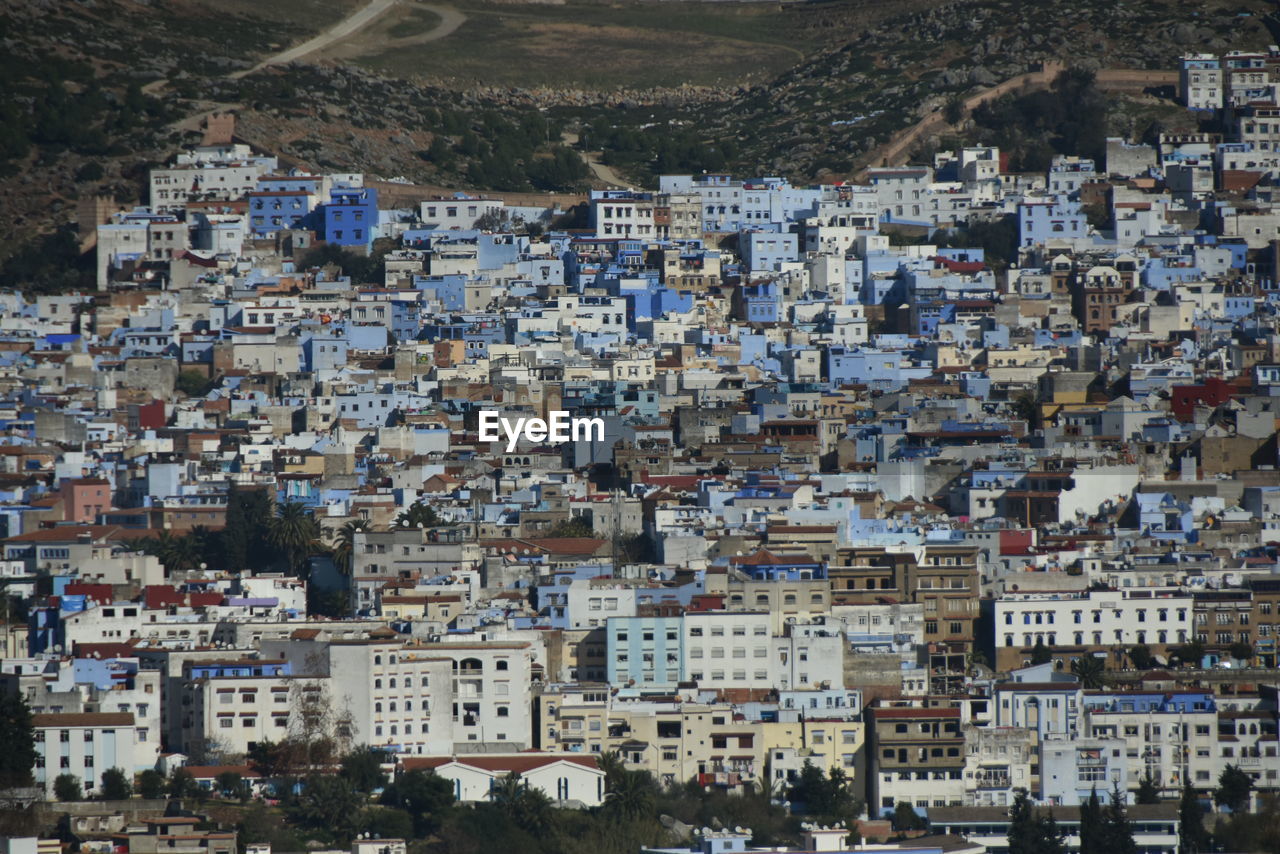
[[992, 778]]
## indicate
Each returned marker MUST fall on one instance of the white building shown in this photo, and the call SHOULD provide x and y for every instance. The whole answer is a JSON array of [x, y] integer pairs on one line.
[[566, 779], [725, 649], [1093, 618], [83, 745], [58, 687]]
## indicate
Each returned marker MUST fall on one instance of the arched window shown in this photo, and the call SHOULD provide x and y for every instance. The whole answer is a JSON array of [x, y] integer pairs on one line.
[[502, 665], [503, 711]]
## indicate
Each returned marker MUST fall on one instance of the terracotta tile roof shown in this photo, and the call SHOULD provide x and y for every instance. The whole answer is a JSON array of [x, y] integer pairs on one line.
[[520, 764], [75, 719]]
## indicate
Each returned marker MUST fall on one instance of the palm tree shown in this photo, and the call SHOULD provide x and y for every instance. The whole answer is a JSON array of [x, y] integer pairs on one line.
[[507, 792], [1090, 670], [529, 808], [631, 796], [161, 546], [174, 553], [344, 543], [533, 812], [185, 553], [294, 531], [610, 762], [417, 515]]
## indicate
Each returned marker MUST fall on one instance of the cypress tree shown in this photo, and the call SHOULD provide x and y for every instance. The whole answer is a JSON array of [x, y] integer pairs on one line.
[[1022, 825], [1091, 822], [1192, 837], [1117, 832], [19, 739]]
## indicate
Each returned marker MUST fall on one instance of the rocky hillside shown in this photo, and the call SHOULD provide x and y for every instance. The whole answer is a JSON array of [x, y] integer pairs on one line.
[[77, 115]]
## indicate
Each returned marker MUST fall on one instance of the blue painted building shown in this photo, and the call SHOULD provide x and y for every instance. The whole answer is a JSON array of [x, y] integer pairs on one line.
[[1041, 220], [644, 652], [351, 216]]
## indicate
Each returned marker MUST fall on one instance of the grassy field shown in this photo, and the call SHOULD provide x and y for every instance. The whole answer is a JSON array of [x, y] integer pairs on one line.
[[597, 45], [415, 22], [304, 15]]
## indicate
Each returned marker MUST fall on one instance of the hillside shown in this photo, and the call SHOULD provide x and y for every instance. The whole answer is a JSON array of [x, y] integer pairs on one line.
[[493, 97]]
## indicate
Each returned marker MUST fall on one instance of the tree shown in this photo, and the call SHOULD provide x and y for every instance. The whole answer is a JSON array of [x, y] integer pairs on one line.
[[530, 809], [1141, 657], [181, 784], [1241, 651], [1027, 408], [269, 758], [19, 739], [631, 796], [243, 541], [1022, 825], [66, 787], [232, 785], [906, 818], [1090, 670], [150, 784], [330, 802], [611, 764], [1148, 792], [1032, 831], [1250, 831], [344, 543], [1192, 837], [418, 515], [424, 795], [953, 112], [1233, 789], [388, 823], [1091, 823], [1041, 654], [363, 767], [1190, 653], [360, 268], [115, 785], [827, 798], [193, 383], [575, 527], [1117, 831], [294, 530], [1049, 838]]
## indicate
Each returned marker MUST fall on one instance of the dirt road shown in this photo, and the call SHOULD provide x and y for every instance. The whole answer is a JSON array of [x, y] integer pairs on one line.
[[603, 172], [348, 25]]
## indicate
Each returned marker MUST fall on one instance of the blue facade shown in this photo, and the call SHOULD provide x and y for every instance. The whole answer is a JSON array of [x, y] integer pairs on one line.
[[272, 211], [761, 303], [768, 250], [1050, 219], [324, 353], [644, 652], [351, 216]]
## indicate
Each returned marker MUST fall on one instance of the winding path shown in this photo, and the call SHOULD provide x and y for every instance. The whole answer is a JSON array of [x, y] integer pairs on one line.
[[354, 22], [602, 171]]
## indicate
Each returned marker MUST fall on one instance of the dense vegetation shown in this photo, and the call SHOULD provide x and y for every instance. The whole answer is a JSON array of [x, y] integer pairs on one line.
[[417, 805], [1067, 118], [260, 535]]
